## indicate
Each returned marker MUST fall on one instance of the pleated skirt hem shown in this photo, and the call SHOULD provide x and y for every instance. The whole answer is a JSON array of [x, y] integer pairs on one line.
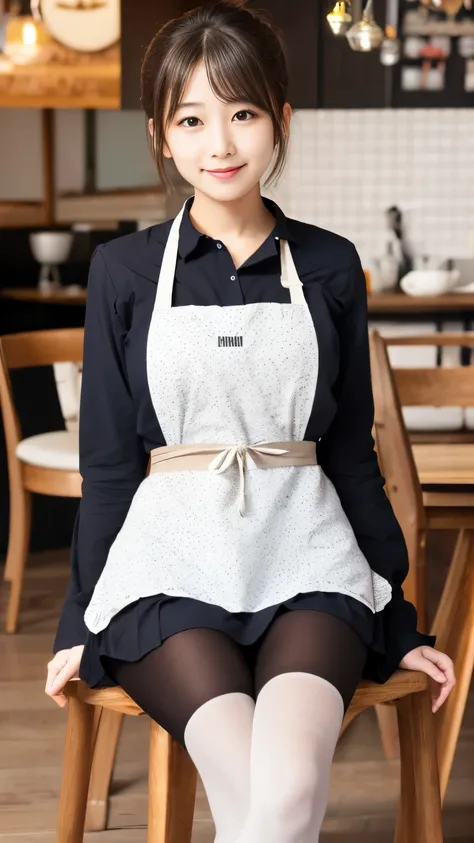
[[144, 625]]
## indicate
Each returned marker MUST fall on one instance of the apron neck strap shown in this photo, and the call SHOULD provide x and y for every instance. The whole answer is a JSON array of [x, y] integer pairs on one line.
[[289, 275], [164, 294]]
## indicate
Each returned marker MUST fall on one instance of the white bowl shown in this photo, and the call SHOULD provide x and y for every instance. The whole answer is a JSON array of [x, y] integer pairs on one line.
[[429, 282], [51, 247]]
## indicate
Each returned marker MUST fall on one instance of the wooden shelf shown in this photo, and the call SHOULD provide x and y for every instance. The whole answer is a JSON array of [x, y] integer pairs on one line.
[[32, 294], [22, 214], [400, 303], [146, 204], [54, 85], [454, 29]]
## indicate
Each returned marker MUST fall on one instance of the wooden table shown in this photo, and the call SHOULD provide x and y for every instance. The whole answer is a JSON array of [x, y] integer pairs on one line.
[[445, 465], [386, 304], [32, 294], [400, 304], [379, 304], [447, 474]]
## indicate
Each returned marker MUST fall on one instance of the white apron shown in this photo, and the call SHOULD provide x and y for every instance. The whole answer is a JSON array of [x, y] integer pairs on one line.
[[237, 375]]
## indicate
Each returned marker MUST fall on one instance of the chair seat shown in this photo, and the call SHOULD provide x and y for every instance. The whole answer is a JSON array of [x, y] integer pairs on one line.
[[402, 683], [58, 449]]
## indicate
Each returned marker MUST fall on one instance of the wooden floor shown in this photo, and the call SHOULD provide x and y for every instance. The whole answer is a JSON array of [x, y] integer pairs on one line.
[[364, 786]]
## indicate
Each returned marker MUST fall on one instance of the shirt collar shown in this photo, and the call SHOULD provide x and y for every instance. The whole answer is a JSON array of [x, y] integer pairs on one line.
[[190, 237]]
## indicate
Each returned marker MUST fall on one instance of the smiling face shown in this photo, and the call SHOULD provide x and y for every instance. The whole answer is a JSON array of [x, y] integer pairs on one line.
[[222, 149]]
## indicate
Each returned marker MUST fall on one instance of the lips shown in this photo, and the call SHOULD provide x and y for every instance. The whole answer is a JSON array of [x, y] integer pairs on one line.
[[225, 173], [225, 169]]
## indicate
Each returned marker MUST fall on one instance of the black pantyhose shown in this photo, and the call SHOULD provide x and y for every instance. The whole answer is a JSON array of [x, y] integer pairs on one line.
[[192, 667]]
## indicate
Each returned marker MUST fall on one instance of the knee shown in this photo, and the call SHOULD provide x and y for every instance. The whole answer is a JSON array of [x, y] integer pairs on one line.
[[289, 805]]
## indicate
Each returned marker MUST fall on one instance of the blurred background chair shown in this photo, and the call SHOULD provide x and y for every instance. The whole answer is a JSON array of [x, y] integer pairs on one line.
[[48, 463], [426, 422], [431, 487]]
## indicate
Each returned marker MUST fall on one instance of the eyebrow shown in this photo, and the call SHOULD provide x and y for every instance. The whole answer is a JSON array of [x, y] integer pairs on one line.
[[190, 105]]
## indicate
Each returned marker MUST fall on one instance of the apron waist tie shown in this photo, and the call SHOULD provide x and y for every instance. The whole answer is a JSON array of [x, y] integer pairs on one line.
[[218, 458]]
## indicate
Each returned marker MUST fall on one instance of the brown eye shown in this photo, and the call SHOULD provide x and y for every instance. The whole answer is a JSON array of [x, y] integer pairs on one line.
[[191, 122], [244, 115]]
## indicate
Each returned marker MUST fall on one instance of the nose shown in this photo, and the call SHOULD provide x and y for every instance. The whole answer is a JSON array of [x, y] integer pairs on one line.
[[222, 141]]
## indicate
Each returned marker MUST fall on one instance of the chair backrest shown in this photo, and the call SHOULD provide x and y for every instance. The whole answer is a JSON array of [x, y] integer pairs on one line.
[[42, 348], [21, 351], [398, 466], [451, 386]]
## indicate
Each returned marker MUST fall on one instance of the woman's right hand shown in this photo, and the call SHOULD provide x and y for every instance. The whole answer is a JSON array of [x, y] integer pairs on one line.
[[61, 669]]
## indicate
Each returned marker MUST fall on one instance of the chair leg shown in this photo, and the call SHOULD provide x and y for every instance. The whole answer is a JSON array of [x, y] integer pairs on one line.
[[107, 726], [454, 628], [76, 772], [419, 815], [388, 728], [18, 546], [172, 789]]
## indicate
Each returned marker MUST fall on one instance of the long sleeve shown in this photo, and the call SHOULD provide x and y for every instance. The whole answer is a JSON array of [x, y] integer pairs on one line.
[[346, 454], [112, 457]]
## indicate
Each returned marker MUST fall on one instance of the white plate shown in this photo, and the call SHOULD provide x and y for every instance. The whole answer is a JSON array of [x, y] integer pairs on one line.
[[467, 288], [429, 282]]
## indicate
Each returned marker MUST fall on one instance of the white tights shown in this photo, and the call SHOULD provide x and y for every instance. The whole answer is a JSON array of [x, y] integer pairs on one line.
[[266, 766]]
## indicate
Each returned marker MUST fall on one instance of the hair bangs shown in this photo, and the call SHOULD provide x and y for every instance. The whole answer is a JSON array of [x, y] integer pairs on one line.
[[233, 72]]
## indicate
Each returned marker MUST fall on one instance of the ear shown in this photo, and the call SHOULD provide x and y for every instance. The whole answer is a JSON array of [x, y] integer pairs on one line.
[[166, 150]]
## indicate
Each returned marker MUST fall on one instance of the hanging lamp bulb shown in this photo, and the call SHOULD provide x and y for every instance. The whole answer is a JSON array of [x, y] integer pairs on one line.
[[366, 34], [390, 51], [340, 18]]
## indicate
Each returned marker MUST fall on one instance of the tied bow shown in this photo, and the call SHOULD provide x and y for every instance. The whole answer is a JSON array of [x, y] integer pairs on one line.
[[238, 454]]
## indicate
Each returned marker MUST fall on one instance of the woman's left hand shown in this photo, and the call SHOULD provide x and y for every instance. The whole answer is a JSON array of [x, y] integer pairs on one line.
[[438, 666]]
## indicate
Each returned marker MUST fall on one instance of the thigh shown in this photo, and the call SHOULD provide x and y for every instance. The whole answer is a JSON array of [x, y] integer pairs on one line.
[[190, 668], [314, 642]]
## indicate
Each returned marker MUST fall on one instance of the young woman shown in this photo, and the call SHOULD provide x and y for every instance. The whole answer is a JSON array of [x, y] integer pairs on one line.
[[239, 589]]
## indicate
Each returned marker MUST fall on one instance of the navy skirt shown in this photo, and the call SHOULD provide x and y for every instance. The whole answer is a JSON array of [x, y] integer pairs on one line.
[[145, 624]]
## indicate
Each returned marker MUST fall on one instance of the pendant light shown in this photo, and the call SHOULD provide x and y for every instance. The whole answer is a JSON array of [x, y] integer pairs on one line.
[[391, 49], [366, 35], [26, 38], [340, 18]]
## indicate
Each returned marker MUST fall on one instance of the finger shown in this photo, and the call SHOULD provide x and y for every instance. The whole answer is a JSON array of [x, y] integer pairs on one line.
[[60, 700], [439, 698], [63, 676], [430, 669], [450, 675], [441, 660], [443, 693], [53, 670]]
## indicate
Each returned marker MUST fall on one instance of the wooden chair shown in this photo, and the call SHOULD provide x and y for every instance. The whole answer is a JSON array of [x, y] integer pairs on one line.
[[173, 778], [443, 505], [47, 464]]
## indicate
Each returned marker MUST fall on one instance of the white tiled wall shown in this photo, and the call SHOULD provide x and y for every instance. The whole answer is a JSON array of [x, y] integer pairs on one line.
[[346, 167]]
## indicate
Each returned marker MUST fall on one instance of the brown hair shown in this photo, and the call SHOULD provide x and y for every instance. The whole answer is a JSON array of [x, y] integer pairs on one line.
[[244, 58]]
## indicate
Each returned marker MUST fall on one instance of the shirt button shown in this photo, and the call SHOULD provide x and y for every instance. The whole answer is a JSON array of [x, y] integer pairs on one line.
[[277, 238], [219, 245], [232, 277]]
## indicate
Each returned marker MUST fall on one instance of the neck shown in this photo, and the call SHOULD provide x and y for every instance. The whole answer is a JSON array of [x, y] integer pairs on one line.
[[244, 217]]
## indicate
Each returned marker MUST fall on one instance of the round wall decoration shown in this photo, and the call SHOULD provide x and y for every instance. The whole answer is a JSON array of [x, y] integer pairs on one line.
[[84, 25]]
